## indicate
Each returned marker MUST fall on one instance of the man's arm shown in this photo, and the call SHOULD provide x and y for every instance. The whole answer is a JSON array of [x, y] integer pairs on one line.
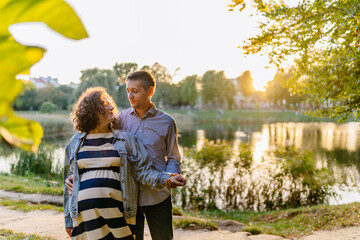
[[118, 121], [172, 150]]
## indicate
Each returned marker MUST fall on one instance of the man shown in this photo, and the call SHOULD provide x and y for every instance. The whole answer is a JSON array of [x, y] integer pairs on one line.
[[157, 131]]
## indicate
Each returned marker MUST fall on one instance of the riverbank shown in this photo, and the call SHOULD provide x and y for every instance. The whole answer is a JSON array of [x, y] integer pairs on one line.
[[289, 223], [59, 122], [50, 223]]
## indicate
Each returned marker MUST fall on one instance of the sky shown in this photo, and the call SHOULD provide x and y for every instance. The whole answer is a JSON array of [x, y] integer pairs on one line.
[[194, 36]]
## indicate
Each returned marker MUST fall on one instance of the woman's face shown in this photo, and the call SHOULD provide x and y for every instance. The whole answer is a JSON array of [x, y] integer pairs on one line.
[[108, 116]]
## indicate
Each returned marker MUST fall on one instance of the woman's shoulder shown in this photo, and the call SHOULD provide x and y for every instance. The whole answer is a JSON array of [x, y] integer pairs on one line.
[[76, 137]]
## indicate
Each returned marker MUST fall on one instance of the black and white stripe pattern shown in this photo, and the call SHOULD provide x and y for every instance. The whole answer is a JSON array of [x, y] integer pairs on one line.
[[100, 198]]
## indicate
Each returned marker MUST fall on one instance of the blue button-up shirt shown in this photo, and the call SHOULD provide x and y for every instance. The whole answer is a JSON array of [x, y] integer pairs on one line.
[[157, 131]]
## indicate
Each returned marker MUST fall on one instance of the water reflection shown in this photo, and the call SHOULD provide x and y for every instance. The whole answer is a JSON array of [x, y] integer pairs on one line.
[[335, 146]]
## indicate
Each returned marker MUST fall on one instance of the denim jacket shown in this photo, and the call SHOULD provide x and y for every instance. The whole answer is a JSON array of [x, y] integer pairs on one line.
[[135, 166]]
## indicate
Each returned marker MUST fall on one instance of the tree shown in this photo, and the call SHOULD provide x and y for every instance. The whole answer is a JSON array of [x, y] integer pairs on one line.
[[217, 89], [26, 99], [277, 91], [323, 35], [188, 91], [245, 83], [160, 72], [166, 92], [95, 77], [122, 70]]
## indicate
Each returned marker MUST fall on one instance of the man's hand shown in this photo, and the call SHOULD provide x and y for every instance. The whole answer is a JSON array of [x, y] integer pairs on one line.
[[69, 230], [175, 180], [69, 184]]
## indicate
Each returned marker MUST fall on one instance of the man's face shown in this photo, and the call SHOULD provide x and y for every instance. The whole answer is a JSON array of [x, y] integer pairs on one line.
[[136, 94]]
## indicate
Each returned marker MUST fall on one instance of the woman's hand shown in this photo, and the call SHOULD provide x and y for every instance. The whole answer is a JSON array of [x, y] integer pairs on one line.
[[69, 230], [175, 180], [69, 184]]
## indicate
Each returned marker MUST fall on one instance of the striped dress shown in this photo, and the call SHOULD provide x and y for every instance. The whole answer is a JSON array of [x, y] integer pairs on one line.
[[100, 198]]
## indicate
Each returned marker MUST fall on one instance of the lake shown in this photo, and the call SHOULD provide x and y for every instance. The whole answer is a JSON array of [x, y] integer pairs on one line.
[[334, 147]]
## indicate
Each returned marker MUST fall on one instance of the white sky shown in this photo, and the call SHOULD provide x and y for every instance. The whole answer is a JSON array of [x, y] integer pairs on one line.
[[195, 35]]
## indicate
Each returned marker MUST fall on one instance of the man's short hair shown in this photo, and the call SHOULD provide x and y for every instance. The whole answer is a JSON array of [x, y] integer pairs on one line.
[[147, 79]]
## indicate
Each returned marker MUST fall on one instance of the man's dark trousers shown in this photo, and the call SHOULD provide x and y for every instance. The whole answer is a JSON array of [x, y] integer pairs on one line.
[[159, 219]]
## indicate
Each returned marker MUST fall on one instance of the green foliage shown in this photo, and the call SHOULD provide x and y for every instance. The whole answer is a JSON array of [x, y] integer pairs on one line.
[[30, 185], [212, 153], [37, 164], [24, 206], [188, 91], [245, 83], [8, 234], [160, 73], [217, 89], [300, 167], [296, 222], [32, 98], [277, 90], [95, 77], [324, 37], [287, 179], [252, 230], [122, 70], [194, 224], [16, 58], [48, 107]]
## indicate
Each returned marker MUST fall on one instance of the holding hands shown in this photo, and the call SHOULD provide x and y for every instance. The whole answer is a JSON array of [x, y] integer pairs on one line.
[[175, 180]]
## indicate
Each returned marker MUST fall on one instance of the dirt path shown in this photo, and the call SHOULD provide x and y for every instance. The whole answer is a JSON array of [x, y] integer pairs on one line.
[[50, 223]]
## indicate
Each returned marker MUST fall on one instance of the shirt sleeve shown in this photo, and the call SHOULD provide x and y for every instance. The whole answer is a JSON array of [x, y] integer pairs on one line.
[[172, 150]]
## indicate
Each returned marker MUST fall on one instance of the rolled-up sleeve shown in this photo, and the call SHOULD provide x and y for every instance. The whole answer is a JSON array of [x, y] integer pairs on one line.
[[172, 150]]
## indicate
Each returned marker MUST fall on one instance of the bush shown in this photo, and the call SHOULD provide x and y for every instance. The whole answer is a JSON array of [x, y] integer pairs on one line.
[[48, 107], [39, 164]]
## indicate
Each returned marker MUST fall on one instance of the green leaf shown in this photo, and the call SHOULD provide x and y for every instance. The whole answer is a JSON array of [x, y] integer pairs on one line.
[[21, 132], [17, 59]]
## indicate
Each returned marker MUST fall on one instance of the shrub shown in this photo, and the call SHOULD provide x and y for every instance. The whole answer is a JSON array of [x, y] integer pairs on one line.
[[39, 164], [48, 107]]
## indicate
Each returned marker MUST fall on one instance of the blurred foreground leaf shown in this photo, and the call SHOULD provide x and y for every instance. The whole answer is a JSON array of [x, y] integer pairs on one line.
[[17, 59]]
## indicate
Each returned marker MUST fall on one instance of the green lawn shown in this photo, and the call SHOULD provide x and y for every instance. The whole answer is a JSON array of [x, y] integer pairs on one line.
[[24, 206], [30, 185], [238, 116], [11, 235], [292, 223]]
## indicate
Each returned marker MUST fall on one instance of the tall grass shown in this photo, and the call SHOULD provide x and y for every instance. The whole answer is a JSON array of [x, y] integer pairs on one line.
[[55, 123], [217, 179], [37, 164]]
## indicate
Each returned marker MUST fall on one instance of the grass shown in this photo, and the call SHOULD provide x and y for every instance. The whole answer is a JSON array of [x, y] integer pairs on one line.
[[52, 123], [24, 206], [11, 235], [194, 224], [292, 223], [240, 116], [30, 185]]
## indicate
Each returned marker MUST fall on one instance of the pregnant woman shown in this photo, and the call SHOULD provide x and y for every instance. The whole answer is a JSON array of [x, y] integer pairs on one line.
[[106, 165]]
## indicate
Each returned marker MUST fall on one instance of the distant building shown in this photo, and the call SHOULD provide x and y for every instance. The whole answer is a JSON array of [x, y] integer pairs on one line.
[[42, 82]]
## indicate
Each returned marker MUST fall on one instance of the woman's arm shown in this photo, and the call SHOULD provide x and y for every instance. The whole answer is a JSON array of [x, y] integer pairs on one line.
[[67, 172], [145, 172]]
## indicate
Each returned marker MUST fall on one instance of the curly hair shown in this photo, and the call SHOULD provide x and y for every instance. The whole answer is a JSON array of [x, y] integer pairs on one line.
[[90, 105]]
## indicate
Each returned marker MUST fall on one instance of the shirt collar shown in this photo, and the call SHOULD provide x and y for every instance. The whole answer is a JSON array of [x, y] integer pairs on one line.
[[151, 112]]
